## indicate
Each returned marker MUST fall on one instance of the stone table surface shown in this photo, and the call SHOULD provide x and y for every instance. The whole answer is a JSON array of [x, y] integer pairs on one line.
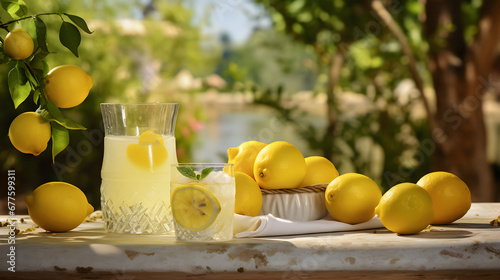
[[469, 246]]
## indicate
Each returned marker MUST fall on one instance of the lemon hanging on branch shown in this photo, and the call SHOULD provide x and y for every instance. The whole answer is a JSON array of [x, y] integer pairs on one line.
[[29, 133], [18, 44], [67, 85]]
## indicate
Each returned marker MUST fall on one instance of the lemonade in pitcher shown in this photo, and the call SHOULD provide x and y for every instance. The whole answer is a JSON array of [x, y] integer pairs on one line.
[[135, 188]]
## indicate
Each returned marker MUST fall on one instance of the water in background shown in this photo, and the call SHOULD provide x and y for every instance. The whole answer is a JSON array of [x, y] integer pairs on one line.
[[227, 127]]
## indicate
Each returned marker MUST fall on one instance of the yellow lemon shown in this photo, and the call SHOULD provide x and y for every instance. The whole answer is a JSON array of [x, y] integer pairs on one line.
[[58, 206], [450, 196], [67, 85], [319, 170], [150, 153], [279, 165], [243, 156], [351, 198], [194, 208], [29, 133], [405, 209], [248, 198], [18, 44]]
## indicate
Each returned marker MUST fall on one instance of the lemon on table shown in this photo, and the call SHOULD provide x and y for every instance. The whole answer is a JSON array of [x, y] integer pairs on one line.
[[67, 85], [149, 153], [319, 170], [248, 198], [58, 206], [194, 208], [279, 165], [351, 198], [405, 209], [29, 133], [18, 44], [451, 197], [243, 156]]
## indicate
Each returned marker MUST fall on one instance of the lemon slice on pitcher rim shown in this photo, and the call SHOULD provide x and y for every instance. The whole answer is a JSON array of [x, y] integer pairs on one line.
[[194, 208]]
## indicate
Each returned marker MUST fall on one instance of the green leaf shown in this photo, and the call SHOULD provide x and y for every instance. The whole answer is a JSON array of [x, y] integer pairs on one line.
[[70, 37], [187, 172], [40, 65], [32, 31], [60, 139], [41, 33], [28, 75], [16, 8], [19, 86], [3, 57], [205, 172], [80, 22], [36, 96], [53, 114]]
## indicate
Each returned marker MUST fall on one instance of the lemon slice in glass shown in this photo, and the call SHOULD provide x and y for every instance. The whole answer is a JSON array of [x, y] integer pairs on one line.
[[194, 208], [149, 153]]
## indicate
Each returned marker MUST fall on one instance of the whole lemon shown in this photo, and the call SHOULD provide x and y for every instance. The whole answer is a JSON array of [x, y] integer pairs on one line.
[[29, 133], [351, 198], [67, 85], [18, 44], [405, 209], [279, 165], [319, 170], [450, 196], [248, 198], [58, 206], [243, 156]]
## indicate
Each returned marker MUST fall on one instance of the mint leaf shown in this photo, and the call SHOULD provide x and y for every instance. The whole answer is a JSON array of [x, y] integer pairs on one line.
[[187, 172], [70, 37], [60, 139], [205, 172]]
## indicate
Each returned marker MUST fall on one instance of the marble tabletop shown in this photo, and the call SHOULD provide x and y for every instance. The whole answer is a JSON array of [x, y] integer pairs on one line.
[[469, 245]]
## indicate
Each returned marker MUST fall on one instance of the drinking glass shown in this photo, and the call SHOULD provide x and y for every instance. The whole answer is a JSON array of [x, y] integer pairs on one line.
[[202, 199], [139, 147]]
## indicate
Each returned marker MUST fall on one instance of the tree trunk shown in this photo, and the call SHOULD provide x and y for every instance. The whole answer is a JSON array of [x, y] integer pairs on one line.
[[458, 71], [334, 68]]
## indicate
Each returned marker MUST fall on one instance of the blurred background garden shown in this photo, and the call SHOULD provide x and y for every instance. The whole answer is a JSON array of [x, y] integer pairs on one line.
[[390, 89]]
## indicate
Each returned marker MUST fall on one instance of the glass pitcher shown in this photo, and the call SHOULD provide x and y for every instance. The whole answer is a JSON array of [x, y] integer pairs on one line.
[[139, 148]]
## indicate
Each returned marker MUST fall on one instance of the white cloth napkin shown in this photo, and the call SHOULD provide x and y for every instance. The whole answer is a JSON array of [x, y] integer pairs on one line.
[[268, 225]]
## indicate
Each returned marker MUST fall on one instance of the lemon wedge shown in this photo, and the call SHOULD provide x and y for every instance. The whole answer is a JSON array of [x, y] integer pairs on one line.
[[194, 208], [149, 153]]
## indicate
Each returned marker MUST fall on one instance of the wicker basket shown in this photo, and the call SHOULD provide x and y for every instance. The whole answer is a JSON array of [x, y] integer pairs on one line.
[[301, 204]]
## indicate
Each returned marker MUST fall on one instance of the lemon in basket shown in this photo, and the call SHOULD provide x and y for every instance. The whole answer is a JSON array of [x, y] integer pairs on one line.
[[351, 198], [279, 165], [194, 208], [319, 170], [243, 156]]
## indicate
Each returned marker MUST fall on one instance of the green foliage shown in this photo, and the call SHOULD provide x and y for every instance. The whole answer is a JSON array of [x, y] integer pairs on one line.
[[373, 67], [27, 76]]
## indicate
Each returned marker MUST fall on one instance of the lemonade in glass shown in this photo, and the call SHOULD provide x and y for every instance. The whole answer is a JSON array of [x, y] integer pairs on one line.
[[202, 199], [139, 148]]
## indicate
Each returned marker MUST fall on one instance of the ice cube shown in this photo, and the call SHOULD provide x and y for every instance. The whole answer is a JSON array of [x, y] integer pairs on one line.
[[219, 177]]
